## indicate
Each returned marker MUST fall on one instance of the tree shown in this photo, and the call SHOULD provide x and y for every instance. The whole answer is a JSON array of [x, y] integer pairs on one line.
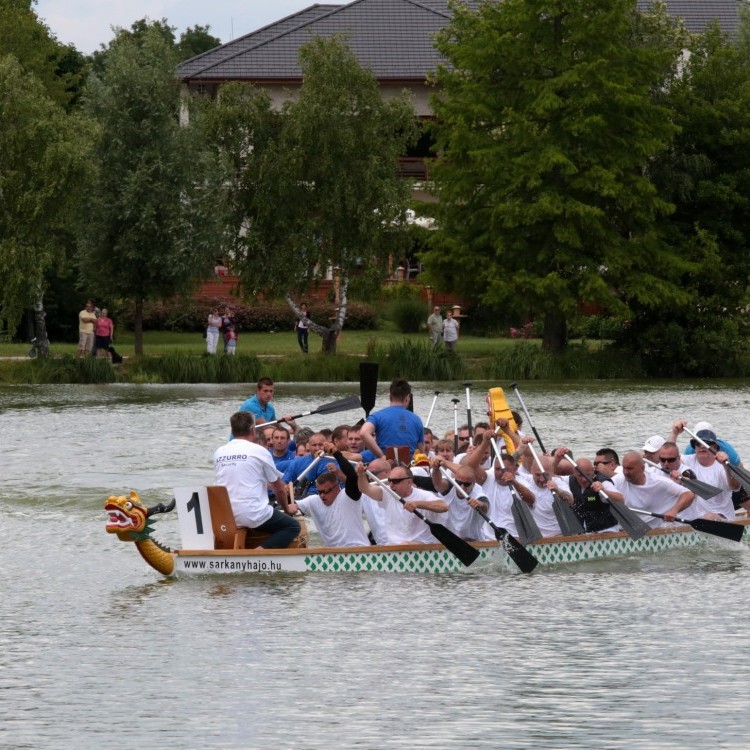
[[43, 166], [153, 218], [196, 40], [321, 192], [549, 115]]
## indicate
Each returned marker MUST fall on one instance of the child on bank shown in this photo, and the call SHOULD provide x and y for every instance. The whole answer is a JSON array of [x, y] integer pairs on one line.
[[231, 339]]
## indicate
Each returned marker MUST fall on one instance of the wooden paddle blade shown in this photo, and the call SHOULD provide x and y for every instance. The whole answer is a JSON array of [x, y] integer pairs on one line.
[[723, 529], [368, 385], [453, 543], [633, 524], [343, 404], [566, 518], [706, 491]]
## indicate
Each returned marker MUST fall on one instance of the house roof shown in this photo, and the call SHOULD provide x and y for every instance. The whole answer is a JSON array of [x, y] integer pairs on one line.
[[394, 38]]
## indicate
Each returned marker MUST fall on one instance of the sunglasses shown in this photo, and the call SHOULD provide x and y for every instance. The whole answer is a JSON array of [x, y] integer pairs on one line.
[[328, 491], [464, 484], [669, 460], [397, 480]]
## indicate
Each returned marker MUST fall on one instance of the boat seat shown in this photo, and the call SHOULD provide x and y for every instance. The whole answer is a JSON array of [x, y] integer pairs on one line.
[[227, 535]]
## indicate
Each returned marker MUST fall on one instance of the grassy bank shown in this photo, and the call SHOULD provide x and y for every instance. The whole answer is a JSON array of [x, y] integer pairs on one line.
[[180, 358]]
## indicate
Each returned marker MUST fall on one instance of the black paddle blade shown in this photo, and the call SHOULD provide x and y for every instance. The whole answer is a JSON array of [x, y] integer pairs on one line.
[[631, 522], [568, 520], [723, 529], [525, 561], [743, 475], [368, 385], [461, 549], [704, 490], [343, 404], [528, 530]]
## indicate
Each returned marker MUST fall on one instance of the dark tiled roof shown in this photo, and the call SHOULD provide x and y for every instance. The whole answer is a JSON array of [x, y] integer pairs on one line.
[[697, 14], [394, 38], [391, 37]]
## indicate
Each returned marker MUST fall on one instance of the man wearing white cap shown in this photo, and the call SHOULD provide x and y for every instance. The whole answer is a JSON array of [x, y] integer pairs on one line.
[[651, 450]]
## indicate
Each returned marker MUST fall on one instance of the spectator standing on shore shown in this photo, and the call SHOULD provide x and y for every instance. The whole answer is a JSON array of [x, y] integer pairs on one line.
[[450, 330], [86, 323], [212, 330], [230, 340], [302, 326], [435, 326], [227, 319], [104, 330]]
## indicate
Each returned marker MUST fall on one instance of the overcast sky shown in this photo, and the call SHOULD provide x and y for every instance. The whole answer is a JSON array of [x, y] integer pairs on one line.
[[88, 23]]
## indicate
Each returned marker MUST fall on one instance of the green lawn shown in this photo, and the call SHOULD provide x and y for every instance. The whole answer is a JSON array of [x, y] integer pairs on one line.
[[266, 344]]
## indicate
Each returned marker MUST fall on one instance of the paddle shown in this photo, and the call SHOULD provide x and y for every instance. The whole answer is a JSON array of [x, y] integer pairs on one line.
[[706, 491], [566, 518], [468, 412], [516, 551], [742, 475], [432, 408], [732, 531], [342, 404], [527, 528], [455, 403], [634, 526], [453, 543], [514, 386], [368, 385]]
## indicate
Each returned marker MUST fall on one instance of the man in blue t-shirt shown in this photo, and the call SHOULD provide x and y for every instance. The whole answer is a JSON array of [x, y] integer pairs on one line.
[[260, 405], [395, 425]]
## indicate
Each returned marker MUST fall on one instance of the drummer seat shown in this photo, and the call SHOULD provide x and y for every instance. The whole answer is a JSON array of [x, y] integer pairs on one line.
[[398, 454]]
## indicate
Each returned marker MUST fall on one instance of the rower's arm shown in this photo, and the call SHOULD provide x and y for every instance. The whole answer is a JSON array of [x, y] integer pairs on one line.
[[367, 433], [279, 489], [363, 485]]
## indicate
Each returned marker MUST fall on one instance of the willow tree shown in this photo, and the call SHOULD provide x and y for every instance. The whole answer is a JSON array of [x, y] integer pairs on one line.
[[153, 220], [549, 115], [317, 192], [43, 166]]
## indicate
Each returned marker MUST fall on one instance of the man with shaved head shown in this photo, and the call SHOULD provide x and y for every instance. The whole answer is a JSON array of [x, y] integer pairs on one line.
[[543, 510], [593, 513], [461, 517], [652, 491]]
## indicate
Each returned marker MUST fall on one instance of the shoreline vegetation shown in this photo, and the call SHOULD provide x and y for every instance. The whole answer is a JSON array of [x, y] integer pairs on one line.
[[181, 358]]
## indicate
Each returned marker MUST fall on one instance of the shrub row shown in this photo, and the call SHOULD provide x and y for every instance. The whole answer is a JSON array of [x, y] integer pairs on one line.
[[190, 315]]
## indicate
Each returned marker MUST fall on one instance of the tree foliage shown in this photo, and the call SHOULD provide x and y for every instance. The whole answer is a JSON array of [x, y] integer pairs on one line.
[[550, 112], [153, 219], [43, 165], [315, 187]]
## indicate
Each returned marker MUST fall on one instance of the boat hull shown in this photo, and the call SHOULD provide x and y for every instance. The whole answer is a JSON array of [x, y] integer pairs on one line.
[[435, 558]]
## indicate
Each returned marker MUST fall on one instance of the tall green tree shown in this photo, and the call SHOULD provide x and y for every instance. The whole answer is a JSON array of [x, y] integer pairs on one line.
[[43, 167], [195, 40], [153, 219], [549, 116], [316, 190]]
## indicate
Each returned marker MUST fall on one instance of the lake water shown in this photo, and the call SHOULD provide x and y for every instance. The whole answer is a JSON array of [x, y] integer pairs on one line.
[[98, 651]]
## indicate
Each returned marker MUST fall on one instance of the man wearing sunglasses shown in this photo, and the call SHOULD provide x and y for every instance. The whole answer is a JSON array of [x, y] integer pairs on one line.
[[402, 526], [337, 517], [461, 517]]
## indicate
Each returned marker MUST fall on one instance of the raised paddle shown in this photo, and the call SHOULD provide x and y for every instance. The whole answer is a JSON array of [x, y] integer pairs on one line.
[[432, 408], [732, 531], [453, 543], [525, 561], [706, 491], [368, 385], [634, 526], [468, 412], [455, 403], [514, 386], [342, 404], [742, 475], [566, 517]]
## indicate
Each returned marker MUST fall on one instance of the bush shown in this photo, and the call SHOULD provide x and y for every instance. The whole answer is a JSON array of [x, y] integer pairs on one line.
[[409, 315], [190, 315], [416, 361]]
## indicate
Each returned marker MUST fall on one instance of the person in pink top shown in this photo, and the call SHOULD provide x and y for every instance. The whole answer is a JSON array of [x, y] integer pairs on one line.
[[104, 331]]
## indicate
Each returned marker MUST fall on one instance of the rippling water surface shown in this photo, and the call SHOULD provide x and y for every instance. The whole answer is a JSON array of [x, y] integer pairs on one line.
[[98, 651]]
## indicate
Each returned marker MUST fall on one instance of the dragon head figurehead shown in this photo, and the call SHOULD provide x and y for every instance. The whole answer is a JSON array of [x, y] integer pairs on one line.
[[132, 521]]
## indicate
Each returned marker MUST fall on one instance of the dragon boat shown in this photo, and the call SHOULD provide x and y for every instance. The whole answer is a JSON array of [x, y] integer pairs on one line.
[[213, 544]]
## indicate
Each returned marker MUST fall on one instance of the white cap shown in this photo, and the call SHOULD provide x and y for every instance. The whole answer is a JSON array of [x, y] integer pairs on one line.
[[654, 444], [703, 426]]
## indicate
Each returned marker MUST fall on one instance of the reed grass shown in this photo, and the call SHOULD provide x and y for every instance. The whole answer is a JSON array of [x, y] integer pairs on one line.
[[416, 361], [179, 367]]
